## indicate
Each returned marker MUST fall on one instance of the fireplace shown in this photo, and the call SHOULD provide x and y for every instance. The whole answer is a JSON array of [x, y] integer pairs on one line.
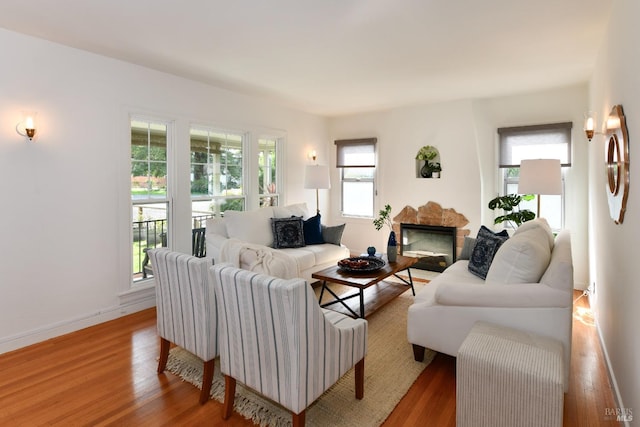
[[434, 246]]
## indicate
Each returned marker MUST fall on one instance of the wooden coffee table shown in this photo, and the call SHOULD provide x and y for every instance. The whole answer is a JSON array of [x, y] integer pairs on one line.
[[361, 281]]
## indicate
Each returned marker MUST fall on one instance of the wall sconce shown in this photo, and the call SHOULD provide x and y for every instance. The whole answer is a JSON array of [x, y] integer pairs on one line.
[[590, 125], [312, 155], [28, 123]]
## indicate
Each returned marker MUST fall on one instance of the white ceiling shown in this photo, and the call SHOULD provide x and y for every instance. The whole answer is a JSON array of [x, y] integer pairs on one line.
[[335, 57]]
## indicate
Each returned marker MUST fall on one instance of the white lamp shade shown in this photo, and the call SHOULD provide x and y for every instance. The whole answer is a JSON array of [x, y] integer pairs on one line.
[[540, 176], [317, 177]]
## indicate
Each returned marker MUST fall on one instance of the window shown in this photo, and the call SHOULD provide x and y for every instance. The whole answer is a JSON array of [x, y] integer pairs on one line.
[[150, 194], [216, 173], [267, 171], [550, 141], [356, 159]]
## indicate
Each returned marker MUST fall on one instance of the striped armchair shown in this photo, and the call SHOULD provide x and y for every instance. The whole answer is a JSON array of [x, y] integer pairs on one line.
[[186, 309], [277, 340]]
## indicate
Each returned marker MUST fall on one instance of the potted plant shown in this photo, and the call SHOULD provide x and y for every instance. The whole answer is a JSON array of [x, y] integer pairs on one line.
[[509, 203], [384, 218], [435, 169], [426, 154]]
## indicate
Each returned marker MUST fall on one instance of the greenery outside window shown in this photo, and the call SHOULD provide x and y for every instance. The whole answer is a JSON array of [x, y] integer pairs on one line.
[[150, 194], [216, 173], [268, 187]]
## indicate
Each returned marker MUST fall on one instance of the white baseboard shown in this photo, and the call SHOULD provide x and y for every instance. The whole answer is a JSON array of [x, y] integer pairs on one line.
[[612, 377], [145, 299]]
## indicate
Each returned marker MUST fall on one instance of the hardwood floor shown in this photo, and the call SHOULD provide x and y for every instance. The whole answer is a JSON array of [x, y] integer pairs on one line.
[[106, 375]]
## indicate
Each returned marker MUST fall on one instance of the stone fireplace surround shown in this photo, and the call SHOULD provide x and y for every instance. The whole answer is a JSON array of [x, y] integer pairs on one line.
[[433, 214]]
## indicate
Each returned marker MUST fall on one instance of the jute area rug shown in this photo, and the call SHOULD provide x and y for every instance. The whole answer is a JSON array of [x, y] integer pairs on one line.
[[389, 372]]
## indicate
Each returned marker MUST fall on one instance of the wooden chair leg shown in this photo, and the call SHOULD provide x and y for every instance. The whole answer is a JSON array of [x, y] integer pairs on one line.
[[418, 353], [359, 374], [207, 379], [229, 396], [164, 354], [298, 419]]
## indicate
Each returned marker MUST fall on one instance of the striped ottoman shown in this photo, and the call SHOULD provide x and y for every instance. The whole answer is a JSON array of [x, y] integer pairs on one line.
[[506, 377]]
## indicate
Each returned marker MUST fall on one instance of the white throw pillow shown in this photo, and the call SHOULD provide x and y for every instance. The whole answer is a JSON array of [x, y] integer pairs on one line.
[[217, 226], [521, 259], [537, 223], [250, 226], [298, 209]]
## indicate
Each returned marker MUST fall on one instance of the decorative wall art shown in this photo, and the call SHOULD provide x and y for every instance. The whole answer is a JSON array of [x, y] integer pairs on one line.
[[617, 163]]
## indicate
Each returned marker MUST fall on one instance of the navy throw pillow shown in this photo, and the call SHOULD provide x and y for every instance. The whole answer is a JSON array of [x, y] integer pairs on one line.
[[313, 231], [487, 244]]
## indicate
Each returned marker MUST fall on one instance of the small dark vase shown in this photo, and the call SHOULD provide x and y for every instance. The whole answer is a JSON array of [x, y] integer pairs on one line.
[[425, 172], [392, 247]]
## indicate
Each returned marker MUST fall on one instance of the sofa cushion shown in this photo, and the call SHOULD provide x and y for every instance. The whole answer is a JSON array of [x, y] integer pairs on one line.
[[467, 248], [521, 259], [487, 244], [542, 225], [250, 226], [287, 232], [313, 230], [332, 234]]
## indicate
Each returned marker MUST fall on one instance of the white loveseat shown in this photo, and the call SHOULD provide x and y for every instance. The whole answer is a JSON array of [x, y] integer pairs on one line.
[[446, 309], [245, 239]]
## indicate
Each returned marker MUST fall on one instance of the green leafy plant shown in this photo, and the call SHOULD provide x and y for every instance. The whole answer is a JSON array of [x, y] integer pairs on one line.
[[509, 203], [427, 153], [384, 218]]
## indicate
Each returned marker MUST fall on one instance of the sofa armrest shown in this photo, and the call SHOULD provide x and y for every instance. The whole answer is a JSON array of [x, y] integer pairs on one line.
[[214, 243], [494, 295]]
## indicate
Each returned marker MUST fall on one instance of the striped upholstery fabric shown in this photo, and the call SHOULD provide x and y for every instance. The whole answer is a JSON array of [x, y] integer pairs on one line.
[[277, 340], [506, 377], [185, 302]]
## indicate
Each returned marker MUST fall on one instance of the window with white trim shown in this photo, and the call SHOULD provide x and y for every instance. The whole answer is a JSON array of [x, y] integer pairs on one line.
[[150, 193], [546, 141], [356, 159], [217, 174], [268, 172]]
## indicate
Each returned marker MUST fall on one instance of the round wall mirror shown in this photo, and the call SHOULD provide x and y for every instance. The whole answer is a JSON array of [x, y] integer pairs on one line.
[[617, 164], [613, 169]]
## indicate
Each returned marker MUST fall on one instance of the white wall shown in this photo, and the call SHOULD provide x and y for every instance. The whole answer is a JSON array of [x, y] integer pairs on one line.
[[64, 251], [613, 247], [566, 104], [465, 134], [401, 132]]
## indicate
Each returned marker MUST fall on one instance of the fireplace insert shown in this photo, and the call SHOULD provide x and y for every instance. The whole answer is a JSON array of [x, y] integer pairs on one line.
[[434, 246]]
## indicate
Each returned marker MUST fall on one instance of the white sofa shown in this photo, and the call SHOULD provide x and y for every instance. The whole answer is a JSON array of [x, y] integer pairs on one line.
[[446, 309], [244, 239]]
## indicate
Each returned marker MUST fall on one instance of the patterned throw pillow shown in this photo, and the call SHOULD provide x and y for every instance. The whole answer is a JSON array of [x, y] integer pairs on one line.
[[487, 244], [287, 232]]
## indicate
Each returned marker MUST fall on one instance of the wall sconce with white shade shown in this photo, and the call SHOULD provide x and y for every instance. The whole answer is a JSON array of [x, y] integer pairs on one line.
[[540, 176], [312, 155], [28, 125]]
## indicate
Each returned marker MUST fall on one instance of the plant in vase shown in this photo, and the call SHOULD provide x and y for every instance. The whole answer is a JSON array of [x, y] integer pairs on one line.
[[426, 154], [384, 218], [435, 169]]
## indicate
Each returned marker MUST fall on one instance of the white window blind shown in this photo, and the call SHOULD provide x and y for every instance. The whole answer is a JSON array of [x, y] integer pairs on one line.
[[549, 141], [356, 153]]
